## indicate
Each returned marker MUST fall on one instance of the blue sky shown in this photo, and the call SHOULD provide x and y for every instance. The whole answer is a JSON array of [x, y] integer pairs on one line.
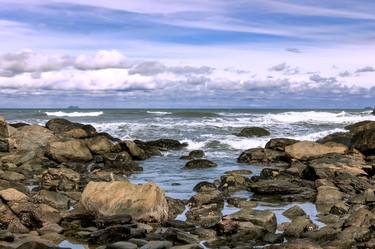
[[213, 53]]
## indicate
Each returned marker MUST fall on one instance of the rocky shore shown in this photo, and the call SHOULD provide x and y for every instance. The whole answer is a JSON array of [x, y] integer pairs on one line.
[[66, 181]]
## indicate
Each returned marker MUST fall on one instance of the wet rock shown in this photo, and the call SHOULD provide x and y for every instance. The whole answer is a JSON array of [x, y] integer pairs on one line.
[[111, 234], [99, 145], [306, 150], [361, 126], [176, 207], [287, 189], [264, 219], [67, 128], [273, 238], [239, 172], [294, 212], [299, 226], [134, 150], [279, 143], [329, 166], [204, 187], [166, 144], [200, 164], [157, 245], [328, 194], [148, 149], [253, 132], [122, 245], [121, 162], [145, 203], [63, 179], [204, 198], [206, 216], [69, 151], [234, 182], [269, 173], [365, 142], [196, 154], [344, 138], [260, 155], [241, 202], [105, 221], [28, 242]]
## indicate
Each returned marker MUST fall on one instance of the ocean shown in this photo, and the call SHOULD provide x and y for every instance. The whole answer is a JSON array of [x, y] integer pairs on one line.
[[205, 129]]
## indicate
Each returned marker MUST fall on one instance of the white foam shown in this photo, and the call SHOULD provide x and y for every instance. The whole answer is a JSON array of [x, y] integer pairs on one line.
[[244, 143], [74, 114], [159, 112], [317, 135], [194, 145]]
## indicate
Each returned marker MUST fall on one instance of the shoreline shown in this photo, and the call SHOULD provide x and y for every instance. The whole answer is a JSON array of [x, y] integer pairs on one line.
[[336, 173]]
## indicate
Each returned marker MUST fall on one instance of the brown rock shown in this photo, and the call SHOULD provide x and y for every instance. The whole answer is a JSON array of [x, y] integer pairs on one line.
[[306, 150], [69, 151]]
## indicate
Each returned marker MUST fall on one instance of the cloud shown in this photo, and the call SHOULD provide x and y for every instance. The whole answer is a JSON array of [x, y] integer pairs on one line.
[[294, 50], [345, 74], [285, 68], [367, 69], [102, 59], [323, 80]]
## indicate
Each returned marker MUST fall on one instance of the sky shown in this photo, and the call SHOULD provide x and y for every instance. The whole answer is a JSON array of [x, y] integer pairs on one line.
[[187, 53]]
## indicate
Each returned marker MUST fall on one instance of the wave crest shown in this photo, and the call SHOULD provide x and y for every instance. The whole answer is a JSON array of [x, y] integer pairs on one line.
[[74, 114]]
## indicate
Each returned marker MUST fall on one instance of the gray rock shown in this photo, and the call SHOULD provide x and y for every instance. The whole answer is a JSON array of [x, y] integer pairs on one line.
[[122, 245], [200, 164]]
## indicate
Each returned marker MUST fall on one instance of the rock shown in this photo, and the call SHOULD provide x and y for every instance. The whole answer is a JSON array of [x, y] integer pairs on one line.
[[176, 207], [204, 187], [196, 154], [234, 182], [122, 245], [11, 176], [103, 222], [204, 198], [365, 142], [344, 138], [330, 166], [306, 150], [294, 212], [6, 236], [264, 219], [28, 242], [328, 194], [299, 226], [369, 195], [279, 143], [12, 194], [189, 246], [112, 234], [145, 203], [69, 151], [4, 145], [241, 202], [269, 173], [361, 126], [206, 216], [47, 214], [157, 245], [260, 155], [339, 208], [121, 163], [50, 228], [273, 238], [67, 128], [166, 144], [63, 179], [253, 132], [31, 138], [99, 145], [54, 199], [134, 150], [200, 164]]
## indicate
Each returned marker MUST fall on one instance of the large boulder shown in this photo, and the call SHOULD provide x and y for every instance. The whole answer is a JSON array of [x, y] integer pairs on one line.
[[260, 155], [146, 203], [364, 141], [69, 151], [67, 128], [361, 126], [328, 194], [344, 138], [99, 145], [134, 150], [253, 132], [280, 143], [31, 138], [306, 150]]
